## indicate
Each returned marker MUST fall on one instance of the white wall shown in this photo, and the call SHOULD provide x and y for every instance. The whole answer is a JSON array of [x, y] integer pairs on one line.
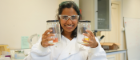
[[76, 1], [24, 18], [131, 8]]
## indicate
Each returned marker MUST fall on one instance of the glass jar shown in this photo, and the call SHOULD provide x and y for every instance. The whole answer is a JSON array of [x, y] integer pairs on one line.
[[83, 25], [55, 26]]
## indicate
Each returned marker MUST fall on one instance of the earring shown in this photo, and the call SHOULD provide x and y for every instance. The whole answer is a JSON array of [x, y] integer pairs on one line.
[[62, 30]]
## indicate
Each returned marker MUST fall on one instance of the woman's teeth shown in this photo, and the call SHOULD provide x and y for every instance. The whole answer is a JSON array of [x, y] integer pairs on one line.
[[69, 26]]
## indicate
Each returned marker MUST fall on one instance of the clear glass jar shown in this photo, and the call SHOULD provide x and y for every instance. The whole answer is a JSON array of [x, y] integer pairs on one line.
[[55, 26], [83, 25]]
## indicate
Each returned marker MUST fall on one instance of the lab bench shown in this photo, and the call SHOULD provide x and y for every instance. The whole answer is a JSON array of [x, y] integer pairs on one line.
[[113, 52]]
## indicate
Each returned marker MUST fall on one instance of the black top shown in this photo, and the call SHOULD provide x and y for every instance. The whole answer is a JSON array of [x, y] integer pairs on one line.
[[52, 21], [84, 21]]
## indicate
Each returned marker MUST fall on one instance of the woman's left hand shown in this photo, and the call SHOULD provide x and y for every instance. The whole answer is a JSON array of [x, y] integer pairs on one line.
[[92, 41]]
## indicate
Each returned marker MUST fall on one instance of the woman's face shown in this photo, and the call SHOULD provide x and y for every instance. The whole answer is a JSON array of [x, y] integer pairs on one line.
[[70, 24]]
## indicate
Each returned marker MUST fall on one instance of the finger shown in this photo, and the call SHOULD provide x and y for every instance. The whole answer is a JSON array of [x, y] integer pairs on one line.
[[50, 35], [44, 43], [50, 44], [44, 36], [46, 32], [90, 32], [47, 36], [47, 44], [86, 44], [88, 35], [93, 34], [44, 39], [88, 41], [49, 39]]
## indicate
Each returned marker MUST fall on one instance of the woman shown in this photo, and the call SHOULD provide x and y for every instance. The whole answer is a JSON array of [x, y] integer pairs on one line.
[[68, 16]]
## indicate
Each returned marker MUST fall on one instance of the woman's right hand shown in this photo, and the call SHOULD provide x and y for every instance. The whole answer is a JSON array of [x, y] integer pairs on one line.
[[46, 38]]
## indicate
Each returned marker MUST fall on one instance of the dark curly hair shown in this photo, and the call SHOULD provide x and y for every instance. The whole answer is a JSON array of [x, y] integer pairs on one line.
[[69, 4]]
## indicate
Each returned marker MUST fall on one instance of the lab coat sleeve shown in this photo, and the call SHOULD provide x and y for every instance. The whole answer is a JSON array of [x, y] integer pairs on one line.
[[97, 53], [38, 51]]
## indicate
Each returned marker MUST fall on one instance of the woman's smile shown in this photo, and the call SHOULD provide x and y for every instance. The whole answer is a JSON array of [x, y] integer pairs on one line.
[[69, 26]]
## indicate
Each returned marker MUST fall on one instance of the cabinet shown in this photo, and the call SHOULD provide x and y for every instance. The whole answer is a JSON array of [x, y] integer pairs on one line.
[[98, 12], [103, 14]]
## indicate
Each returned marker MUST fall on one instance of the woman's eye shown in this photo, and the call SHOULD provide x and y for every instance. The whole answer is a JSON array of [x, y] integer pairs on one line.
[[64, 17], [73, 17]]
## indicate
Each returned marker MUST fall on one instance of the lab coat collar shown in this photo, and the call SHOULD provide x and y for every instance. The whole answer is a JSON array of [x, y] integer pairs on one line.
[[67, 40]]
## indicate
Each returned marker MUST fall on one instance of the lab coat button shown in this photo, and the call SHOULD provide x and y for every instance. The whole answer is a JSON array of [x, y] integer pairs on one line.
[[69, 53], [55, 46]]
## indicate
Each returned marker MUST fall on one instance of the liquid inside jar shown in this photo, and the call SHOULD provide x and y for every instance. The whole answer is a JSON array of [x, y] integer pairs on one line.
[[87, 39]]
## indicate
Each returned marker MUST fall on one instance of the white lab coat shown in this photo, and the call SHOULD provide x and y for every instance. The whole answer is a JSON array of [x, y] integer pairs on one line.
[[66, 50]]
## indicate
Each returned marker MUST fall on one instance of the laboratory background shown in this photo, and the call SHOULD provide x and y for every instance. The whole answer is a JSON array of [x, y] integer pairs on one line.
[[116, 23]]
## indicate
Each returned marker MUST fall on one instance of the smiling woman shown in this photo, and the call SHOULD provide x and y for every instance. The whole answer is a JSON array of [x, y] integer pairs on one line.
[[68, 48], [68, 25]]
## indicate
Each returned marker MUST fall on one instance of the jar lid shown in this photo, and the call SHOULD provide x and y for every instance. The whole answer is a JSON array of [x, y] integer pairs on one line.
[[84, 21], [52, 21]]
